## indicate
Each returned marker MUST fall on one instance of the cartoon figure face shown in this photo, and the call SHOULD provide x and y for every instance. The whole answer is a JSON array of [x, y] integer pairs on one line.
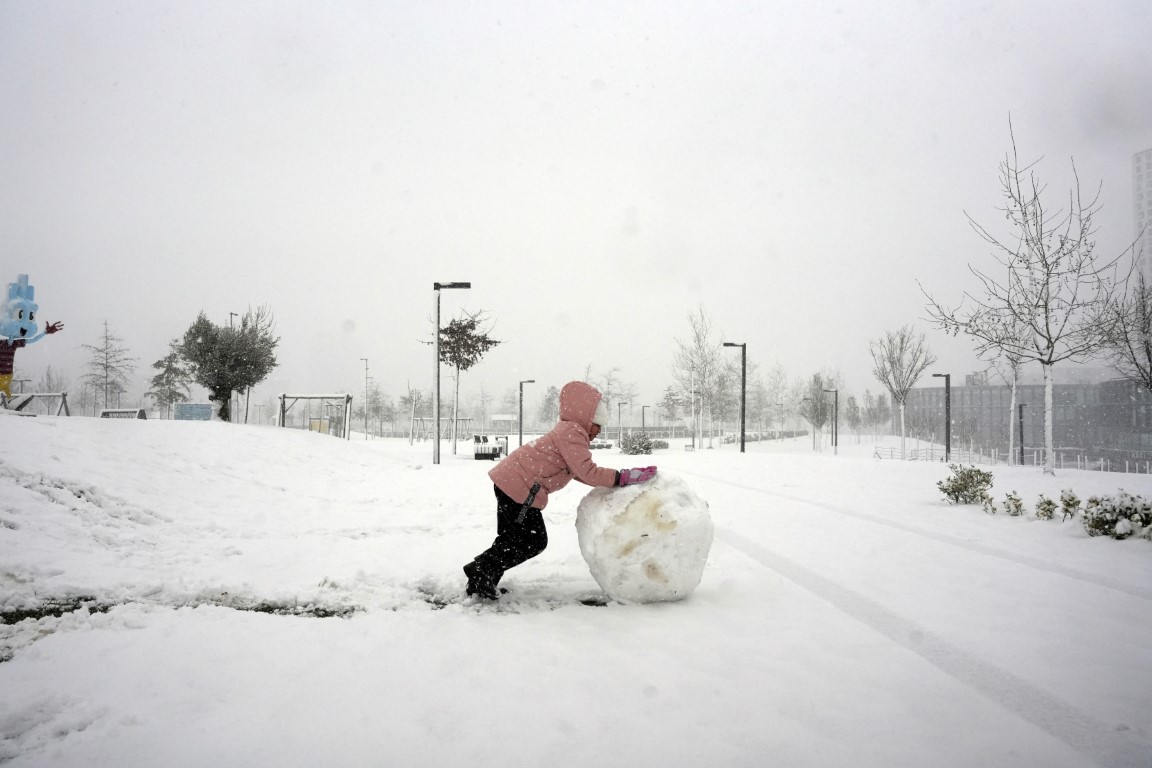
[[18, 312]]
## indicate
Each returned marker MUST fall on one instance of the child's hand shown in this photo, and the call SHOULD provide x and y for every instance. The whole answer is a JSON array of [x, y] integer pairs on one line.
[[636, 475]]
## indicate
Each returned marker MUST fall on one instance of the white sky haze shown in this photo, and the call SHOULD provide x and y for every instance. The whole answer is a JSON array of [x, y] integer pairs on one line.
[[597, 171]]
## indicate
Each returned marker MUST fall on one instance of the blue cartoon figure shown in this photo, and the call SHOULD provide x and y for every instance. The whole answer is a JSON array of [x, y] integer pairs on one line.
[[18, 327]]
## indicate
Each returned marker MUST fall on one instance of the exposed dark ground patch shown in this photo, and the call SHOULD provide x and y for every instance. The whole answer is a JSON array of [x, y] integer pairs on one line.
[[58, 606], [55, 607]]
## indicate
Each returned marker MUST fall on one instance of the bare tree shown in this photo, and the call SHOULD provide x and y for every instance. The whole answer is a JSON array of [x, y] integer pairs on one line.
[[876, 412], [777, 387], [611, 387], [1048, 282], [670, 403], [759, 406], [695, 366], [1007, 368], [51, 382], [815, 404], [853, 415], [109, 365], [550, 406], [1130, 341], [899, 359], [413, 401]]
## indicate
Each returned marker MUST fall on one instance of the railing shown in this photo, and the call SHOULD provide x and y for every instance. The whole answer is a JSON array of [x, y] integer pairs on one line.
[[1032, 458], [933, 453]]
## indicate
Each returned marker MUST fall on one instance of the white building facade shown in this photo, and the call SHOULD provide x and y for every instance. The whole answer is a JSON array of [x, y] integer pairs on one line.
[[1142, 210]]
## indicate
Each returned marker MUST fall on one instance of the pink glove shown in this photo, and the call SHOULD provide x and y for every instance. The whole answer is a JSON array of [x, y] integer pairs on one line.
[[637, 475]]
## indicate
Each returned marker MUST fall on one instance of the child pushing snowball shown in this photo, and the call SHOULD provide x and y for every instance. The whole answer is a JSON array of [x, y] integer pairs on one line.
[[524, 479]]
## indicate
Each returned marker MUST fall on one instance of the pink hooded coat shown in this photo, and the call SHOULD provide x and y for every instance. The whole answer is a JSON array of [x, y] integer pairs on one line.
[[555, 458]]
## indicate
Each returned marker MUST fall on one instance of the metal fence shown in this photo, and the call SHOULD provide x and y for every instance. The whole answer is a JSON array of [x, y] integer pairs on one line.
[[1032, 458]]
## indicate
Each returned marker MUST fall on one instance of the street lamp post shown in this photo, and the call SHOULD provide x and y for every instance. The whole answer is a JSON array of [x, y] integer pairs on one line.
[[643, 412], [436, 377], [619, 421], [947, 414], [521, 421], [1022, 406], [835, 421], [233, 397], [365, 397], [743, 384]]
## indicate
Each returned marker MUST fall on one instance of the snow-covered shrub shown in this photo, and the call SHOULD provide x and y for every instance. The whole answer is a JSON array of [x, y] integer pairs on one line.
[[1045, 508], [1069, 503], [989, 503], [636, 444], [1118, 516], [967, 485], [1013, 505]]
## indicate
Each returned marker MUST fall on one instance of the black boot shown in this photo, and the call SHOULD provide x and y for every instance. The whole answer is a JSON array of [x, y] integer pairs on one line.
[[480, 584]]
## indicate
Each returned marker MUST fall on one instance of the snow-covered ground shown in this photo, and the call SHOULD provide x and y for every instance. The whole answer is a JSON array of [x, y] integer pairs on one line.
[[847, 614]]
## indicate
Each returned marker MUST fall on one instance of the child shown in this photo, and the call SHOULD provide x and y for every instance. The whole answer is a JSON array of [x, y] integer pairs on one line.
[[524, 479]]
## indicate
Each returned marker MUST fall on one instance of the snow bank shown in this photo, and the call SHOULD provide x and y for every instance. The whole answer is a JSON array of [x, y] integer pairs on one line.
[[645, 543]]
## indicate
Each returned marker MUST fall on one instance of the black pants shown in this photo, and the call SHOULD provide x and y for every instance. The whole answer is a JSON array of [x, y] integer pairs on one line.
[[515, 541]]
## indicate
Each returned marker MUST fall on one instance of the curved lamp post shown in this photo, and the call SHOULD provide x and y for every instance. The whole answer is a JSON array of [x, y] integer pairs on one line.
[[436, 377], [743, 384]]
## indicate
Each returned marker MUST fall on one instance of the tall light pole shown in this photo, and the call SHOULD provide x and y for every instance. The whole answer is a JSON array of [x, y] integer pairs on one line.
[[743, 384], [809, 419], [521, 421], [231, 410], [835, 420], [619, 422], [643, 413], [365, 397], [947, 414], [1022, 407], [436, 377]]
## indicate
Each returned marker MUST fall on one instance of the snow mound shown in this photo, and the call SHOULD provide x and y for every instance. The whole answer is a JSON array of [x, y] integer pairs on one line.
[[645, 543]]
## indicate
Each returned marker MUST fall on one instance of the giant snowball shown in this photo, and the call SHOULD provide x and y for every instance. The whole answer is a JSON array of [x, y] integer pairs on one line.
[[647, 542]]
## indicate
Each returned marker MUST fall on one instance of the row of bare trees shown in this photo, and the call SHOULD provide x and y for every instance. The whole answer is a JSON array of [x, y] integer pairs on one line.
[[706, 391]]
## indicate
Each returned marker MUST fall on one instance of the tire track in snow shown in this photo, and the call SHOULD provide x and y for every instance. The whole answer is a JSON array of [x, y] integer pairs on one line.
[[956, 541], [1102, 743]]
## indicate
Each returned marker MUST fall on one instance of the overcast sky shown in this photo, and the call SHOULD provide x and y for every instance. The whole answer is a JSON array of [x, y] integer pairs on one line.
[[596, 170]]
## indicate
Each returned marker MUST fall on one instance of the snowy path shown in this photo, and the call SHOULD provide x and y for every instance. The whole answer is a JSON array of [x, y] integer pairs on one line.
[[824, 633], [869, 600]]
